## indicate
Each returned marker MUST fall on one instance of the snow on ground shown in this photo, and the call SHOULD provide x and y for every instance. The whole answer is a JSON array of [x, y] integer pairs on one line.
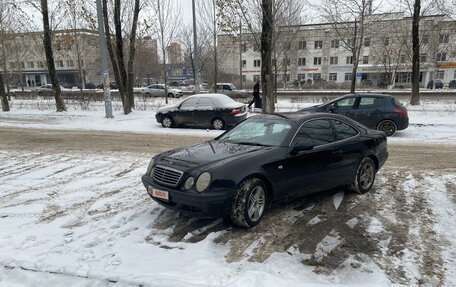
[[432, 121]]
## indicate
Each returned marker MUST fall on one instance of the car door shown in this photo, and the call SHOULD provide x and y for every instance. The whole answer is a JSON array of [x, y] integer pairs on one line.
[[310, 171], [160, 91], [369, 111], [204, 112], [152, 90], [185, 113]]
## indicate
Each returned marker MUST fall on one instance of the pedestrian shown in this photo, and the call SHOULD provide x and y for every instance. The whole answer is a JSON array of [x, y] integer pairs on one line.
[[256, 94]]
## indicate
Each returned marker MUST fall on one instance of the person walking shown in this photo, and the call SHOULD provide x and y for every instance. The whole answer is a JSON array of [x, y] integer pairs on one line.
[[256, 95]]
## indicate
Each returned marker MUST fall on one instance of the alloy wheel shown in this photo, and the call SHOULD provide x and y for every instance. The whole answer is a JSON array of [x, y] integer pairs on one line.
[[388, 127], [217, 124], [167, 122], [366, 176], [256, 203]]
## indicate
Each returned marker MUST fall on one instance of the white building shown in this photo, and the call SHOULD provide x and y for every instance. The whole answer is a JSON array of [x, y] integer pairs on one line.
[[316, 51]]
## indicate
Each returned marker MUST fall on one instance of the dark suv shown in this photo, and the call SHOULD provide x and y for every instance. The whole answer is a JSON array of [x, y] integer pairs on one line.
[[376, 111]]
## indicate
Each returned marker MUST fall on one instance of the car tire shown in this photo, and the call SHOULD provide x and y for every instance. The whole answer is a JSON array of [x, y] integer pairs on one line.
[[167, 122], [365, 177], [388, 127], [249, 203], [218, 124], [148, 95], [170, 95]]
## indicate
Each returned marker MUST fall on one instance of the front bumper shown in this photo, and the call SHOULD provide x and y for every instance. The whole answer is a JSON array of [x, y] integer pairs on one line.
[[203, 205]]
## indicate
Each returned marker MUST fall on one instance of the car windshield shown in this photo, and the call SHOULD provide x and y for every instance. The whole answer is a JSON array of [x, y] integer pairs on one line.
[[264, 132]]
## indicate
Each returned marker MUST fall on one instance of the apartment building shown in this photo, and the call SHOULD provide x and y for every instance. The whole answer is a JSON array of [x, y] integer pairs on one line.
[[320, 52]]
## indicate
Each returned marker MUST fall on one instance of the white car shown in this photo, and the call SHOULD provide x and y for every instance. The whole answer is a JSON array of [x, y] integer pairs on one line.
[[230, 90], [158, 90]]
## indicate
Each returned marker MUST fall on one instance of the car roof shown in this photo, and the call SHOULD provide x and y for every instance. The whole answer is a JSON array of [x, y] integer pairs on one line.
[[301, 116], [368, 95]]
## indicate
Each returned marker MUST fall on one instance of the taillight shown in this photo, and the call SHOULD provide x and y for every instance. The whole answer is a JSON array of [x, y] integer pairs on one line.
[[401, 112], [235, 111]]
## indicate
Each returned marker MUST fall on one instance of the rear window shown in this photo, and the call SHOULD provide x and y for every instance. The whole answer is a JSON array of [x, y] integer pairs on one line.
[[370, 102], [222, 100]]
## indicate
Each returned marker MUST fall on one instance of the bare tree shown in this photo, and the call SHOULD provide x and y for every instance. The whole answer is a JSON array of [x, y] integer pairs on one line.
[[266, 57], [168, 23], [3, 96], [47, 42], [415, 100], [125, 16]]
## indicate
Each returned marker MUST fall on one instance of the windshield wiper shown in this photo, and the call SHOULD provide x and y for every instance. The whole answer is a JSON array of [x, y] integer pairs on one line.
[[251, 143]]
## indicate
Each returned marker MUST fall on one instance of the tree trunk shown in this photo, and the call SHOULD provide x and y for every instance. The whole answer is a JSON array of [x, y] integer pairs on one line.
[[415, 100], [3, 96], [119, 54], [131, 58], [60, 105], [266, 53], [115, 68], [214, 34]]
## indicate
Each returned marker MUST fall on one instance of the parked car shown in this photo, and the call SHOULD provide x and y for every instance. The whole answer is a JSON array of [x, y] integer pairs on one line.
[[87, 85], [376, 111], [203, 110], [264, 160], [66, 85], [452, 84], [43, 89], [437, 84], [112, 86], [158, 90], [230, 90]]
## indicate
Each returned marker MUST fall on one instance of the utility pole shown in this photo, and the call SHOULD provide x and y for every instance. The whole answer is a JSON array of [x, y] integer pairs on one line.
[[240, 53], [104, 62], [195, 49]]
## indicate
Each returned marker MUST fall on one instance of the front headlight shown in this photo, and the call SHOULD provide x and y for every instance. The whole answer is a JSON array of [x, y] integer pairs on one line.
[[203, 181], [149, 167]]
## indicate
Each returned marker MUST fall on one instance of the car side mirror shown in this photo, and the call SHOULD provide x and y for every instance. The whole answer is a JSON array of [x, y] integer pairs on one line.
[[331, 109], [301, 146]]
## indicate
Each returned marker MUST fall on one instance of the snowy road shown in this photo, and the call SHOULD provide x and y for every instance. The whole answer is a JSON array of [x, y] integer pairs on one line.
[[72, 208]]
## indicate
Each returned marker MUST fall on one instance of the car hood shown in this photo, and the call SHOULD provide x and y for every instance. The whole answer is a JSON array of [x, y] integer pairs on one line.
[[316, 108], [168, 108], [207, 153]]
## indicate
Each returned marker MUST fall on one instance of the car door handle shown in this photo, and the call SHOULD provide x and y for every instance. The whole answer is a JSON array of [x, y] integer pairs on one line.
[[337, 152]]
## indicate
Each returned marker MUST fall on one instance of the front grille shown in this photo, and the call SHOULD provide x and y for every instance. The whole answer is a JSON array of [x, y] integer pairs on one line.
[[166, 175]]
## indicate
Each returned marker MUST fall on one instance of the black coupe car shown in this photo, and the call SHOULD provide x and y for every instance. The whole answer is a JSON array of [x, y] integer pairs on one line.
[[263, 160], [217, 111], [376, 111]]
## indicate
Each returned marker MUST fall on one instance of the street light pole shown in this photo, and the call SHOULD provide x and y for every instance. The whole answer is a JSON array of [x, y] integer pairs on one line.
[[104, 62], [195, 50]]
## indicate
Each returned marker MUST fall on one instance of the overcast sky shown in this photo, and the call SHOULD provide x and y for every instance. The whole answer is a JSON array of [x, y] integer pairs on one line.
[[186, 6]]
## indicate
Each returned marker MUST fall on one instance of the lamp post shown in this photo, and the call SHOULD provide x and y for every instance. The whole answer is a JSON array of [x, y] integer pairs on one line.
[[104, 62]]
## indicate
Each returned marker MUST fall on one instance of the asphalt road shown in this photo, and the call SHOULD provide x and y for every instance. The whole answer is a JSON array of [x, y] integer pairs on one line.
[[402, 155]]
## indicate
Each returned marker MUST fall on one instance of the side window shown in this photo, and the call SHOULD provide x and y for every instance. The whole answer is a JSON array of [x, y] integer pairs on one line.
[[226, 88], [343, 130], [316, 132], [161, 87], [189, 104], [370, 102], [205, 104], [219, 87], [345, 104]]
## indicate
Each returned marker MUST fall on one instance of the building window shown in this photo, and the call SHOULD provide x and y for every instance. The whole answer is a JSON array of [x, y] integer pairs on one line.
[[12, 65], [257, 63], [318, 44], [335, 43], [256, 78], [302, 45], [244, 48], [301, 77], [367, 42], [441, 57], [244, 78], [316, 76], [443, 38], [301, 61], [348, 77], [286, 77], [351, 42], [70, 63], [287, 46], [31, 65], [244, 63], [286, 62], [425, 39], [317, 60], [386, 41], [332, 77], [349, 60], [440, 75], [454, 76], [365, 59], [334, 60], [256, 48], [423, 58], [60, 63], [385, 59]]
